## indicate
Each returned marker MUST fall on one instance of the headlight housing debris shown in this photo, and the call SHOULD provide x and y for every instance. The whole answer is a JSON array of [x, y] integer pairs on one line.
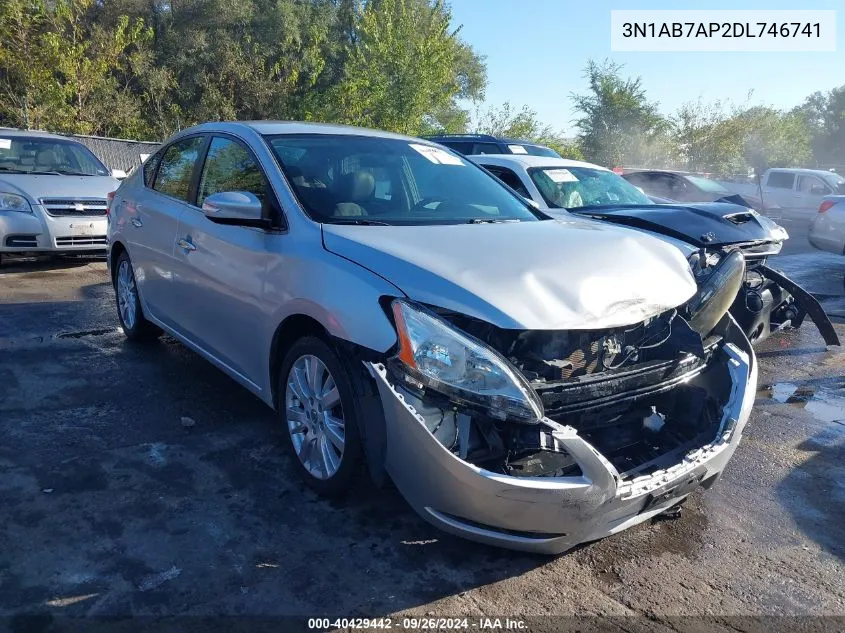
[[446, 360], [718, 286]]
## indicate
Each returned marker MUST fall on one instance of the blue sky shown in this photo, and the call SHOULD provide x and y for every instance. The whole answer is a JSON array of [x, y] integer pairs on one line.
[[537, 49]]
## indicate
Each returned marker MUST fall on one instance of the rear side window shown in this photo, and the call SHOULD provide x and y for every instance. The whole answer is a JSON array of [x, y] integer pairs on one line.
[[781, 179], [229, 167], [510, 179], [458, 146], [486, 148], [176, 170]]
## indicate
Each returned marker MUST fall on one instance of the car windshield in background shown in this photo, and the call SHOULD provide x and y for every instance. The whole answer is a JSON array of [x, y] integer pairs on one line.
[[35, 155], [346, 179], [533, 150], [576, 187], [710, 186]]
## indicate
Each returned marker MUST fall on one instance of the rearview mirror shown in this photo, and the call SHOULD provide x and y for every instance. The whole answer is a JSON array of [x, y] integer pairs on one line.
[[233, 207], [118, 174]]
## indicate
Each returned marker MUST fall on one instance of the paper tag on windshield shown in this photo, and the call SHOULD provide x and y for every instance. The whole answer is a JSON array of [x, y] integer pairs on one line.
[[436, 155], [561, 175], [5, 143], [517, 149]]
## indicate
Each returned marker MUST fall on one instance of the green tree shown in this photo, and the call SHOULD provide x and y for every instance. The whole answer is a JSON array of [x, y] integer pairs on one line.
[[509, 122], [87, 61], [616, 123], [28, 95], [405, 69], [824, 114]]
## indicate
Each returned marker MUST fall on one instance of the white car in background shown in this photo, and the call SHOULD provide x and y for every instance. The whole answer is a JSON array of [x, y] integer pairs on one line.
[[827, 231], [53, 195]]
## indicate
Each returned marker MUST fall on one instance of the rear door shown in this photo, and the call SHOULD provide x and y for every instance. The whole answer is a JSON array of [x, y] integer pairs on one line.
[[779, 189], [152, 221], [221, 268]]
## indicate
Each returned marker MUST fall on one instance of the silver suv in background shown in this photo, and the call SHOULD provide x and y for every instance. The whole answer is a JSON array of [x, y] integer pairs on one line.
[[524, 381], [53, 195]]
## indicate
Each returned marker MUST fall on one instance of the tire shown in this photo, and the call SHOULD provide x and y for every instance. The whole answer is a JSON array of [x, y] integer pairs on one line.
[[135, 325], [328, 457]]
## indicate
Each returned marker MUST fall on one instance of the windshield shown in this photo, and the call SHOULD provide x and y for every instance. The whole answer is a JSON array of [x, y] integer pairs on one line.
[[346, 179], [575, 187], [38, 155], [836, 181], [705, 184], [532, 150]]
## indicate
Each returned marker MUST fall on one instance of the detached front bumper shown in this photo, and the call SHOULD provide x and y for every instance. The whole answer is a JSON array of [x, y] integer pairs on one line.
[[550, 514]]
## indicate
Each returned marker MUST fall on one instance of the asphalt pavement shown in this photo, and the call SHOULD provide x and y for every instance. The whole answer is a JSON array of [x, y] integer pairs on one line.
[[141, 481]]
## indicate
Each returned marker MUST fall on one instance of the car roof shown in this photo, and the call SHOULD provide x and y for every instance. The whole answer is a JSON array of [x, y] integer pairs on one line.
[[527, 162], [14, 132], [296, 127], [801, 170], [484, 138]]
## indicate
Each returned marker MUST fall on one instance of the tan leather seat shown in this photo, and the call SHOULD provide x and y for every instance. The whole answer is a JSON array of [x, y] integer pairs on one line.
[[354, 189]]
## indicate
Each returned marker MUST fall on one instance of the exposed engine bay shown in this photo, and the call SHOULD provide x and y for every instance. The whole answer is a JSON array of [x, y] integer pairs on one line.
[[641, 395]]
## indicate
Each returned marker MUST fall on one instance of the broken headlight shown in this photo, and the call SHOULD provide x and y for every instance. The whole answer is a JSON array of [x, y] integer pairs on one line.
[[718, 285], [444, 359]]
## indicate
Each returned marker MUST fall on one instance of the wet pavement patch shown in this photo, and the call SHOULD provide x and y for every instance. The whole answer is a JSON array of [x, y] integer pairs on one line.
[[826, 403]]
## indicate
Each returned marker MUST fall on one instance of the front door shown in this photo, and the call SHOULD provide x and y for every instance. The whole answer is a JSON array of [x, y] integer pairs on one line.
[[222, 268]]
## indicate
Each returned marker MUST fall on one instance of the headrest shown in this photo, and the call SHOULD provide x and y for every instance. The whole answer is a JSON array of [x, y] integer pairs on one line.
[[356, 186]]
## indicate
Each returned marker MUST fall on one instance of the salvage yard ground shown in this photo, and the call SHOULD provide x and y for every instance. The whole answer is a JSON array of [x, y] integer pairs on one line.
[[142, 481]]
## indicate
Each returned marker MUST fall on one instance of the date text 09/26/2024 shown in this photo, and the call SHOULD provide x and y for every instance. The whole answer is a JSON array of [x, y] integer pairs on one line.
[[418, 624]]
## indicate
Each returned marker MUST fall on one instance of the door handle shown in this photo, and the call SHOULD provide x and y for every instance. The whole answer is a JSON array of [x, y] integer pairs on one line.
[[186, 244], [137, 223]]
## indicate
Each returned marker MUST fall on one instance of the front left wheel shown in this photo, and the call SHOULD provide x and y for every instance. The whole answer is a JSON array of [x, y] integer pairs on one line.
[[135, 325], [320, 411]]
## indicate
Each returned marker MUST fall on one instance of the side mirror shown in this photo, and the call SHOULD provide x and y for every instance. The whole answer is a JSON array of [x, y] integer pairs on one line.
[[818, 190], [234, 207], [118, 174]]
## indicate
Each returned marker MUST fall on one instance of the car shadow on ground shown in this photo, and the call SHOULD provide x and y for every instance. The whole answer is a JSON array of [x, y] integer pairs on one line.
[[814, 491], [17, 265]]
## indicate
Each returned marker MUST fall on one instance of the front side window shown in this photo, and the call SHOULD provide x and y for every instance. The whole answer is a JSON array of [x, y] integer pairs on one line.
[[539, 150], [710, 186], [781, 179], [177, 168], [150, 165], [510, 179], [40, 155], [229, 167], [836, 182], [371, 180], [576, 187]]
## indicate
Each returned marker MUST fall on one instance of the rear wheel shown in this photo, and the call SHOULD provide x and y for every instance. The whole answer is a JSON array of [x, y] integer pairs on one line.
[[135, 326], [320, 413]]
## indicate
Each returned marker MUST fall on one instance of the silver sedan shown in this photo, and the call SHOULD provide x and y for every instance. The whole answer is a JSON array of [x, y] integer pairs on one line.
[[525, 381], [827, 230]]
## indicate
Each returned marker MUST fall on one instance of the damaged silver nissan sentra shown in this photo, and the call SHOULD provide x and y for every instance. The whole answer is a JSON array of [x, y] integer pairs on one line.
[[528, 382]]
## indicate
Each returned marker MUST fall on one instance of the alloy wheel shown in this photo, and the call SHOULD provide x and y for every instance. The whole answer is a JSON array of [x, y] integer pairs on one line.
[[315, 417], [126, 294]]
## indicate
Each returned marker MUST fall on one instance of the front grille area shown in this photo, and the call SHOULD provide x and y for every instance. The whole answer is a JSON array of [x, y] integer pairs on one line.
[[22, 241], [76, 207], [82, 240]]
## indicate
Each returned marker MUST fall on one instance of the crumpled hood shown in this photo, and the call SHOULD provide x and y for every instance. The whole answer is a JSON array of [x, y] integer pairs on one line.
[[51, 186], [701, 224], [551, 275]]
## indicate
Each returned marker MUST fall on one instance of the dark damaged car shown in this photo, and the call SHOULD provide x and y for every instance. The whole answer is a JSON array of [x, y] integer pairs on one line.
[[527, 382], [707, 232]]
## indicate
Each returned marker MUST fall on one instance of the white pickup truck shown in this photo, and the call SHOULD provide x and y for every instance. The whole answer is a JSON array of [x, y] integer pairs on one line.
[[793, 188]]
